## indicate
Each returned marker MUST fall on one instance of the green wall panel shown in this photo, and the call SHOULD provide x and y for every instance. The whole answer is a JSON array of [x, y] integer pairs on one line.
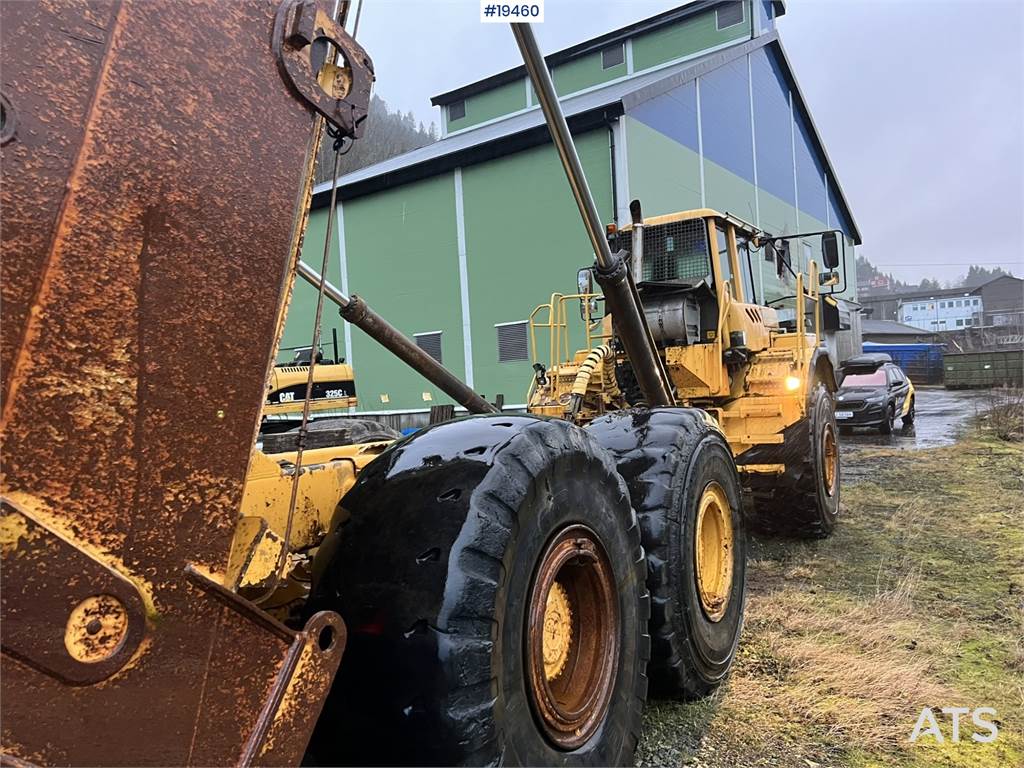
[[298, 329], [524, 240], [583, 72], [663, 174], [488, 105], [726, 192], [402, 253], [686, 38]]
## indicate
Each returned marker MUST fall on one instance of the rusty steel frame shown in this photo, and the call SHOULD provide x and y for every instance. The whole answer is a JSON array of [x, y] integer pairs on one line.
[[155, 178]]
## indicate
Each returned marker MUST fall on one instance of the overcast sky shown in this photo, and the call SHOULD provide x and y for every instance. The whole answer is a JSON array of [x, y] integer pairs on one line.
[[919, 103]]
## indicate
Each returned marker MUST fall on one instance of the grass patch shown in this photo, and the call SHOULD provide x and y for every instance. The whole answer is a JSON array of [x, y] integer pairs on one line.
[[915, 601]]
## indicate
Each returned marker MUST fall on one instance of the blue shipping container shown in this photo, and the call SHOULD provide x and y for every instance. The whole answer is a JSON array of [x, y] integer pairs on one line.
[[921, 362]]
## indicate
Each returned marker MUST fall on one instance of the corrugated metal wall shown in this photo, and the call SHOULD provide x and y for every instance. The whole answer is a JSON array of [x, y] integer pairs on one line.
[[734, 140], [522, 240]]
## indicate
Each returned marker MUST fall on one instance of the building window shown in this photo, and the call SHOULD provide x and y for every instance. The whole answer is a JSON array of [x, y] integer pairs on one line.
[[729, 15], [959, 303], [457, 110], [512, 342], [430, 343], [613, 56], [959, 323]]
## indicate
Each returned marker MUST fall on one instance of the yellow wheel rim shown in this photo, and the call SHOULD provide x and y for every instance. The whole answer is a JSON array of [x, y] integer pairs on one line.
[[572, 637], [714, 544], [830, 459], [557, 639]]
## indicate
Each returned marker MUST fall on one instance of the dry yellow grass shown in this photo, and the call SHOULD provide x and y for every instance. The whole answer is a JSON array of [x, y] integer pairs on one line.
[[916, 601]]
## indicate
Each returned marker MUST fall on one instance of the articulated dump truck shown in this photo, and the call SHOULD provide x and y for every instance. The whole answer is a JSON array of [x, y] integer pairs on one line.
[[760, 371], [475, 593]]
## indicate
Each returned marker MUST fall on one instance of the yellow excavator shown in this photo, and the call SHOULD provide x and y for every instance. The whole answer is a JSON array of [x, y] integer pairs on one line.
[[334, 388]]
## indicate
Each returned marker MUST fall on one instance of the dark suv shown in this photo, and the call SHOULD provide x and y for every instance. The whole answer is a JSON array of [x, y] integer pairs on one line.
[[873, 392]]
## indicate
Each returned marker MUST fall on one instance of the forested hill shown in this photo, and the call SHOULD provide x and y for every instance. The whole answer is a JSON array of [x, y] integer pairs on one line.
[[387, 134]]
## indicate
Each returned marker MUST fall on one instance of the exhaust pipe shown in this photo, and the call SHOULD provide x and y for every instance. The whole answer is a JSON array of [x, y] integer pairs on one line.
[[611, 272]]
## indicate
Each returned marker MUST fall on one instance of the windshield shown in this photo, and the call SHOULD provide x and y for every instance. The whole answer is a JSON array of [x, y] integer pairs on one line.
[[876, 379]]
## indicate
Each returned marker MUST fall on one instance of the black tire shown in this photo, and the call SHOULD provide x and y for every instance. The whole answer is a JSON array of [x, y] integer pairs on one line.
[[432, 572], [800, 502], [668, 457], [908, 418], [889, 422], [323, 433]]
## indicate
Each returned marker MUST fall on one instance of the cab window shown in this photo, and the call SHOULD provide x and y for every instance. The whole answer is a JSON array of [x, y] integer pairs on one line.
[[743, 254], [723, 254]]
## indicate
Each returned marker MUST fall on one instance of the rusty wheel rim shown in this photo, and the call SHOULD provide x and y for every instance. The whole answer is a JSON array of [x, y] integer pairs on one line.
[[572, 637], [830, 459], [714, 546]]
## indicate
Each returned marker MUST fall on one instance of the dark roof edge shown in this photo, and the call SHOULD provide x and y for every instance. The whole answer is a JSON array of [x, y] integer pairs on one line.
[[703, 65], [530, 137], [587, 46]]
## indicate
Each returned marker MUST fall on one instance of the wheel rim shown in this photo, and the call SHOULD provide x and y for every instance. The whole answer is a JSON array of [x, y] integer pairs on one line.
[[572, 637], [830, 459], [714, 545]]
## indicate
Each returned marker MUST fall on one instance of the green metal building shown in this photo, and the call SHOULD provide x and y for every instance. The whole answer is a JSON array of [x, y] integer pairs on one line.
[[457, 242]]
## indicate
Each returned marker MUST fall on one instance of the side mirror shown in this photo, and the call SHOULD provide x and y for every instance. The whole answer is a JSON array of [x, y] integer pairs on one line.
[[585, 280], [830, 250], [781, 256]]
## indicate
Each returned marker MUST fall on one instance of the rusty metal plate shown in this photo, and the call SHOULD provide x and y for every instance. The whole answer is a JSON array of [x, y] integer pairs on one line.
[[153, 186], [84, 631]]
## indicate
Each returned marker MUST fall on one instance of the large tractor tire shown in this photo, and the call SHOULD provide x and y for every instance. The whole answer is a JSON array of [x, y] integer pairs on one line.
[[804, 501], [686, 491], [491, 577], [326, 433]]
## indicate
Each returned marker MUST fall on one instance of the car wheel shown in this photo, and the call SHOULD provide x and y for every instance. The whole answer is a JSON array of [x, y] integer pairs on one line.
[[889, 422], [908, 418]]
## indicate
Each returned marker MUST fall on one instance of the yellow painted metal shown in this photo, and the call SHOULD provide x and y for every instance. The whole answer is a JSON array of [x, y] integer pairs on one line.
[[734, 263], [830, 460], [95, 629], [255, 552], [762, 469], [284, 376], [713, 545], [558, 635], [590, 372], [327, 475], [750, 401]]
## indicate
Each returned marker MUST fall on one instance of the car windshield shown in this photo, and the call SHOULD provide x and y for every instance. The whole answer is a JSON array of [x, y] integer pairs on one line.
[[876, 379]]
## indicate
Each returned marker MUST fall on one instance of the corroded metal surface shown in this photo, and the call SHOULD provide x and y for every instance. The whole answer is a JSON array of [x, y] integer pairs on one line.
[[52, 594], [572, 644], [153, 189]]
